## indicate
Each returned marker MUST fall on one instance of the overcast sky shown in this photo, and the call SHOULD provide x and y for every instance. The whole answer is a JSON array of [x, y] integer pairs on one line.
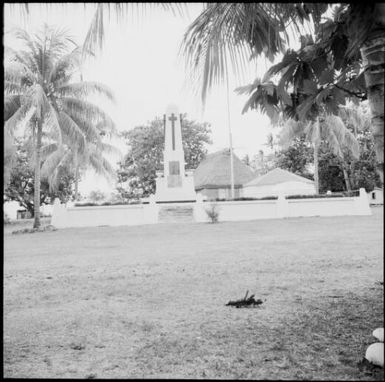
[[140, 63]]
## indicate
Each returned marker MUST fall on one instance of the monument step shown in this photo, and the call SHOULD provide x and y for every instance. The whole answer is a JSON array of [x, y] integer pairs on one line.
[[176, 214]]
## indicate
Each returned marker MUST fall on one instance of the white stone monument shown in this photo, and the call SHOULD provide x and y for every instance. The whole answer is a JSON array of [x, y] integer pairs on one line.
[[174, 183]]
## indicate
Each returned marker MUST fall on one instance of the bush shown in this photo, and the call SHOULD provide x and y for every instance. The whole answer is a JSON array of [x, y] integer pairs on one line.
[[213, 213], [339, 195], [246, 199], [96, 196], [91, 204]]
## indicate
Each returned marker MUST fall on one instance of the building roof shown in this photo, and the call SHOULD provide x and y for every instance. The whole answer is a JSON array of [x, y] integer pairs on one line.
[[277, 176], [214, 171]]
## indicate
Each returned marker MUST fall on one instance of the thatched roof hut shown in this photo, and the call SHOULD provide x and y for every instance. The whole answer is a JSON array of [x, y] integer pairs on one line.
[[214, 172]]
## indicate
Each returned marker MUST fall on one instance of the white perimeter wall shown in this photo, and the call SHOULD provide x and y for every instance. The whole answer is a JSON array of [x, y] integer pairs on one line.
[[282, 207], [136, 214], [139, 214]]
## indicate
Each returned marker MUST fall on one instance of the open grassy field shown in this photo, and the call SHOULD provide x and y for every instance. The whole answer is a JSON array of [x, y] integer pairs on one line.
[[149, 301]]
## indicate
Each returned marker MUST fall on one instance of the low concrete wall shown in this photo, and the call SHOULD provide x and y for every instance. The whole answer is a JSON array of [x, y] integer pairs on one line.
[[138, 214], [282, 208]]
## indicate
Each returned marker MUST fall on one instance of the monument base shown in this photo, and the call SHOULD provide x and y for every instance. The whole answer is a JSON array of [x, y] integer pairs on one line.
[[183, 192]]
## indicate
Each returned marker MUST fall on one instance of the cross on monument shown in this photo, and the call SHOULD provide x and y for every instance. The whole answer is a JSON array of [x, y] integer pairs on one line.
[[173, 119]]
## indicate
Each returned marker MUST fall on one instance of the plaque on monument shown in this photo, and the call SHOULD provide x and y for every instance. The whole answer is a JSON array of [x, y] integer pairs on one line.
[[174, 168]]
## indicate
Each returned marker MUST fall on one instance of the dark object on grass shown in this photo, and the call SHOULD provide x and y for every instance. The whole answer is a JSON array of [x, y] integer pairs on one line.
[[370, 369], [246, 302]]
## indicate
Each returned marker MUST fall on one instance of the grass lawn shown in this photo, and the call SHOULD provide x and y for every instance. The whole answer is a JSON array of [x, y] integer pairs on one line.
[[149, 301]]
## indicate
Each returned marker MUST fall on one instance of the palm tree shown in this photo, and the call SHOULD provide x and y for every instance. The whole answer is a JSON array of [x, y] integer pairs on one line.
[[78, 157], [40, 93], [328, 128]]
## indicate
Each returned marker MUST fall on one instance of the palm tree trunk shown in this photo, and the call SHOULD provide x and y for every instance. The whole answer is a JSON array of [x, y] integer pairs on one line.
[[346, 178], [76, 182], [374, 65], [76, 164], [36, 202], [316, 175]]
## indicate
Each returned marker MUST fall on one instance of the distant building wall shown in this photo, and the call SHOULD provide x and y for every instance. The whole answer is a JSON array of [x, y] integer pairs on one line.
[[286, 188], [220, 193]]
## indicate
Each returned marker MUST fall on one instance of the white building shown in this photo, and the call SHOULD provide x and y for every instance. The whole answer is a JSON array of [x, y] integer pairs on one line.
[[277, 182], [376, 196]]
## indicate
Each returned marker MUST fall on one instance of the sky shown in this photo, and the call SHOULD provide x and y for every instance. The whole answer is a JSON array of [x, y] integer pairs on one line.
[[141, 64]]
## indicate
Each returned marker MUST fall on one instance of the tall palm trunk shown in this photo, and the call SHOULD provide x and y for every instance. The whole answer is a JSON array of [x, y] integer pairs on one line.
[[316, 175], [76, 175], [373, 58], [346, 178], [76, 183], [36, 201]]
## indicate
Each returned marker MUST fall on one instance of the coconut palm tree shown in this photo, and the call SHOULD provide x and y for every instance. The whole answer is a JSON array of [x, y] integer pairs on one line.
[[41, 94], [78, 157], [328, 128]]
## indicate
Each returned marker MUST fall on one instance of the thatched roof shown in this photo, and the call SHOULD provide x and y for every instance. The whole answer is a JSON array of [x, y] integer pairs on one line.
[[277, 176], [214, 171]]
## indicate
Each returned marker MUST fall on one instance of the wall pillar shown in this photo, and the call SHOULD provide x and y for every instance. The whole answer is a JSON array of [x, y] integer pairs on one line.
[[362, 203], [282, 206], [199, 211], [59, 214]]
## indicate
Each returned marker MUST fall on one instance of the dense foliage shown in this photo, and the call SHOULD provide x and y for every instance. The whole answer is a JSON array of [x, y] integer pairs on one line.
[[20, 187]]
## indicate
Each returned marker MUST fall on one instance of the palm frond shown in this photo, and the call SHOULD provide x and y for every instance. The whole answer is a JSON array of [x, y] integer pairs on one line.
[[64, 67], [85, 88], [89, 111], [52, 159], [95, 37], [17, 73], [35, 96], [339, 136], [11, 105], [107, 148], [87, 126], [101, 165], [48, 149], [71, 131], [291, 129], [51, 123], [17, 118]]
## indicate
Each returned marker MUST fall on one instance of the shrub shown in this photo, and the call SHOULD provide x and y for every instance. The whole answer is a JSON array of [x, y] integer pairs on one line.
[[96, 196], [339, 195], [244, 198], [213, 213], [92, 204]]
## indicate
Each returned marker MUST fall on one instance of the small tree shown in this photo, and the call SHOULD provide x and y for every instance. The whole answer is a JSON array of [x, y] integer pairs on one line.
[[213, 213]]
